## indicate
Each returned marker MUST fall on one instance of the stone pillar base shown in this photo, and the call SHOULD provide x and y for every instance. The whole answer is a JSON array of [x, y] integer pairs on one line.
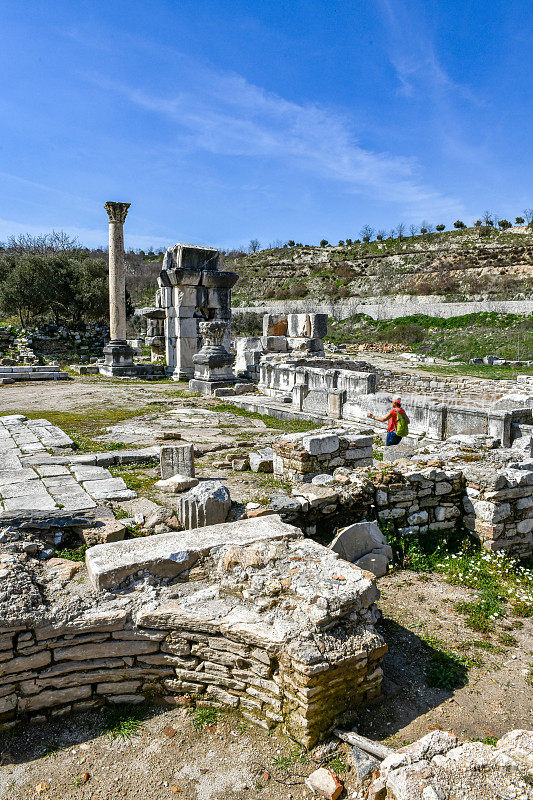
[[118, 362], [206, 386], [182, 375]]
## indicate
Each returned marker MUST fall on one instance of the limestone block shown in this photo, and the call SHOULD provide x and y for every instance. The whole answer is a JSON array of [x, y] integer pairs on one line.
[[169, 554], [262, 460], [177, 460], [364, 545], [376, 563], [321, 444], [419, 518], [109, 489], [53, 698], [208, 503], [275, 325], [323, 782], [492, 512], [274, 344], [177, 483]]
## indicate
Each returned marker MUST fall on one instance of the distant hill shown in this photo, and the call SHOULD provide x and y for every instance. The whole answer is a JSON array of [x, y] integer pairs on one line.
[[472, 263]]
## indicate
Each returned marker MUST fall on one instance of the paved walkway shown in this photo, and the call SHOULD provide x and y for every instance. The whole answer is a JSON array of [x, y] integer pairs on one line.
[[39, 471]]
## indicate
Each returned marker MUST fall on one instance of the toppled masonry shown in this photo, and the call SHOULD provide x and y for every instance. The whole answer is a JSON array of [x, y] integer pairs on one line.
[[248, 613]]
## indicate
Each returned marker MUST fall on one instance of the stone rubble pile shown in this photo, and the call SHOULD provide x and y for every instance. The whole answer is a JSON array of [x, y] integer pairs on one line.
[[439, 767]]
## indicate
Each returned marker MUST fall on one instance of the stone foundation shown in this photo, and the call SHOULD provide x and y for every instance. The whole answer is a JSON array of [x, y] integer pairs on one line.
[[248, 614]]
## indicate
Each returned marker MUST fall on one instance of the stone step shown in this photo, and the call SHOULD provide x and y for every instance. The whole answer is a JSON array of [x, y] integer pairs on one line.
[[34, 376]]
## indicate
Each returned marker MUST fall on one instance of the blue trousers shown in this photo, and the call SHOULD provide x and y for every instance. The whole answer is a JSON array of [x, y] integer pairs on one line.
[[393, 438]]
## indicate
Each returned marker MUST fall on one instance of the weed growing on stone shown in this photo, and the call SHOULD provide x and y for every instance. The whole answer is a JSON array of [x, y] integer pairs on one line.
[[203, 717], [73, 554], [337, 765], [123, 722]]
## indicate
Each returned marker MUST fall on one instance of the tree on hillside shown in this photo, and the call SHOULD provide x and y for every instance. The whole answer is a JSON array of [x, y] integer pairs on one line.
[[478, 223], [366, 233], [324, 243], [400, 230], [528, 214], [349, 242], [487, 218], [254, 245], [413, 230], [341, 242], [427, 225], [519, 220], [381, 235], [440, 227], [459, 224], [504, 223], [423, 231], [290, 243]]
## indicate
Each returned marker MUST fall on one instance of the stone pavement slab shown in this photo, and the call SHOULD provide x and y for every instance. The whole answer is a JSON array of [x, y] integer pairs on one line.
[[56, 480]]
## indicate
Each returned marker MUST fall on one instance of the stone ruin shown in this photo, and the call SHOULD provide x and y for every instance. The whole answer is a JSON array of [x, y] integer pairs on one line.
[[192, 290]]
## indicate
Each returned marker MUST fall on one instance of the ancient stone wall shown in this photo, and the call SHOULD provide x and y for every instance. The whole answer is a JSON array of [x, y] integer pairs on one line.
[[249, 614], [303, 456]]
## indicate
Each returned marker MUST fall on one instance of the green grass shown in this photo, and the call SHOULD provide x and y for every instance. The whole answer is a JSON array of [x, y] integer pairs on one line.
[[84, 426], [73, 554], [509, 336], [290, 426], [337, 765], [123, 721], [203, 717], [444, 669], [285, 761], [502, 586], [136, 478]]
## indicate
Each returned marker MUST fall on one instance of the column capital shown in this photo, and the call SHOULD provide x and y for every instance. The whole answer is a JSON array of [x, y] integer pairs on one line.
[[117, 211]]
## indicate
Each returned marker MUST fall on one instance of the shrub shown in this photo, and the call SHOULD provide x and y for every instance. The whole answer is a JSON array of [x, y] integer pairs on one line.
[[406, 333], [519, 220], [247, 324], [459, 224], [504, 223], [440, 227], [324, 243]]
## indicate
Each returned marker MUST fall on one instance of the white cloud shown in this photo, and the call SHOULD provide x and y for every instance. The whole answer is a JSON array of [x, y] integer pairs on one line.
[[224, 114]]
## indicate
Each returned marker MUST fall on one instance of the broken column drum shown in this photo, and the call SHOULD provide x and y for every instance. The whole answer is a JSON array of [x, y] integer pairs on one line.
[[213, 365], [118, 354], [192, 290]]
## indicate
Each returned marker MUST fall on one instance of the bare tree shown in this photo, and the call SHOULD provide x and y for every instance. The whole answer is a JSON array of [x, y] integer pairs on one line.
[[528, 215], [413, 230], [381, 234], [366, 233], [400, 230], [43, 244], [254, 245], [488, 218]]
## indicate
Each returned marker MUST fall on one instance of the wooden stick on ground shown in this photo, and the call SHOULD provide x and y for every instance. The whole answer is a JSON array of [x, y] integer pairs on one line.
[[374, 748]]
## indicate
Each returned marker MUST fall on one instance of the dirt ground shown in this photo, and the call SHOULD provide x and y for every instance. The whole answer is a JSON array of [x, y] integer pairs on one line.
[[76, 757]]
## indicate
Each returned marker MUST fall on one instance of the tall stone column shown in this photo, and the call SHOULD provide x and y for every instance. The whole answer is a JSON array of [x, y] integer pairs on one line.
[[118, 354]]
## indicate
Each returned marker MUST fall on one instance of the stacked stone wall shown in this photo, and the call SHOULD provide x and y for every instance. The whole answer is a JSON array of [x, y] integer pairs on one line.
[[455, 387], [303, 456]]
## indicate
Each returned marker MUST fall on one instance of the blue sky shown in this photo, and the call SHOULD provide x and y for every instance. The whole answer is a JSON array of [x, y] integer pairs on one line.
[[226, 120]]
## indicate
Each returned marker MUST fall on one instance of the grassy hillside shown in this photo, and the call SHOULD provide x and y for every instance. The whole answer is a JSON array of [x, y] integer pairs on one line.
[[458, 264], [469, 336]]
